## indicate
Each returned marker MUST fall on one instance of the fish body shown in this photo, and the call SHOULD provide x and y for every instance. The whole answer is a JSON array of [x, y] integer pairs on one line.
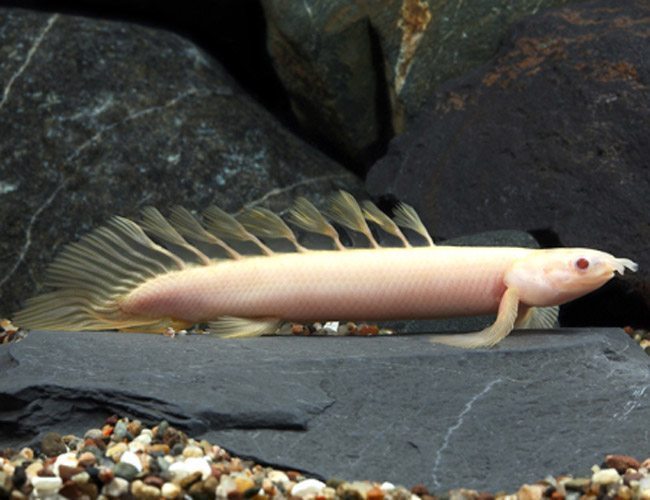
[[119, 277], [358, 284]]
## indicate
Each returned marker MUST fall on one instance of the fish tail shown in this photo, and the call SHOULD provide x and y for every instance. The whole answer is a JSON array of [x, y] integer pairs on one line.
[[92, 276]]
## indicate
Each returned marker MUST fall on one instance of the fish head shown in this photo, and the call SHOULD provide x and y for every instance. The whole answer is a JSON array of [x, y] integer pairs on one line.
[[552, 277]]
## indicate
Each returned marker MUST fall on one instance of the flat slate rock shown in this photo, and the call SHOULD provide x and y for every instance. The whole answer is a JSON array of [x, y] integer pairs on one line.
[[386, 408]]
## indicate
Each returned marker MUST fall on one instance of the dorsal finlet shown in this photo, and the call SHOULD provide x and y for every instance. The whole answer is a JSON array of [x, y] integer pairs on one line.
[[345, 210], [155, 224], [307, 217], [373, 214], [406, 216], [224, 225], [266, 224], [187, 225]]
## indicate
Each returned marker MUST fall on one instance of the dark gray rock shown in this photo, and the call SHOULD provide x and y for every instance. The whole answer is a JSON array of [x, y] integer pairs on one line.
[[102, 118], [551, 135], [355, 70], [390, 408]]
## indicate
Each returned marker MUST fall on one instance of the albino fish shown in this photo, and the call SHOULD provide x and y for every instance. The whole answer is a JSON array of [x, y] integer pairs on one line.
[[162, 273]]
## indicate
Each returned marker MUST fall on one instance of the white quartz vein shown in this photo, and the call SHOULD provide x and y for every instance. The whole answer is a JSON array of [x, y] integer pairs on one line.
[[28, 233], [130, 117], [455, 427], [72, 156], [290, 187], [37, 42]]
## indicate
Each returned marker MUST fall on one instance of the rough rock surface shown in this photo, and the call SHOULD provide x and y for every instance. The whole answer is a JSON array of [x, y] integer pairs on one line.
[[354, 70], [390, 408], [102, 117], [551, 135]]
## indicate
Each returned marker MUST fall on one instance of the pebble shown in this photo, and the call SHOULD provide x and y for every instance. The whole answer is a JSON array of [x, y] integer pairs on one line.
[[192, 451], [94, 434], [128, 457], [52, 445], [119, 431], [115, 451], [189, 466], [116, 488], [125, 471], [307, 487], [46, 486], [65, 459], [605, 476], [171, 491], [621, 462], [164, 463]]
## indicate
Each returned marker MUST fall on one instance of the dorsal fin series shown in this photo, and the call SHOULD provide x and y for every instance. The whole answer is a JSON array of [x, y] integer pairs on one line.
[[93, 275], [406, 216]]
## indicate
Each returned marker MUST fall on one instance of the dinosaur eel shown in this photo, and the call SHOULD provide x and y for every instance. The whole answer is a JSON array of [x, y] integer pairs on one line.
[[175, 272]]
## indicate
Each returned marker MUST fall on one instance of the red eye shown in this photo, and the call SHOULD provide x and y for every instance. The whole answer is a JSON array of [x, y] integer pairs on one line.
[[582, 263]]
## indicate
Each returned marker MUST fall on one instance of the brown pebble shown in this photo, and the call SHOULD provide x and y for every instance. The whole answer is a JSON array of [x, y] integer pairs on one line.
[[235, 495], [66, 472], [71, 489], [293, 475], [112, 420], [154, 481], [159, 448], [374, 493], [210, 484], [419, 490], [134, 428], [365, 329], [106, 475], [45, 472], [86, 459], [621, 463], [52, 445], [556, 495], [187, 481], [297, 329], [484, 495]]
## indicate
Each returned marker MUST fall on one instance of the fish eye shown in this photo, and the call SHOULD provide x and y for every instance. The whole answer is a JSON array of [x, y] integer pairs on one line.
[[582, 263]]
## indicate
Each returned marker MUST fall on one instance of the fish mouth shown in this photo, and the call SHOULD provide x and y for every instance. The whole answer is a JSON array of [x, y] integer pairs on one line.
[[620, 265]]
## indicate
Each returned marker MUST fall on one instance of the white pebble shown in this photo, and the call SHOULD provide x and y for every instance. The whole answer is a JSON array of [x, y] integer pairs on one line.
[[189, 466], [387, 486], [128, 457], [192, 451], [606, 476], [67, 459], [116, 488], [143, 438], [171, 490], [46, 486], [278, 477], [307, 487]]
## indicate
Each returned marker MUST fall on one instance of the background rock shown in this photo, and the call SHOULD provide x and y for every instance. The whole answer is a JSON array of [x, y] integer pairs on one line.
[[393, 408], [102, 118], [356, 70], [549, 136]]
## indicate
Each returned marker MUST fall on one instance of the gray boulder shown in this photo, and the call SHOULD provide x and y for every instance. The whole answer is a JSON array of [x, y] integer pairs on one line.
[[551, 135], [100, 118], [356, 71]]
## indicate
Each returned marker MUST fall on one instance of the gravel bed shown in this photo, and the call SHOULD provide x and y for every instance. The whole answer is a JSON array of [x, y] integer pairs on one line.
[[125, 459]]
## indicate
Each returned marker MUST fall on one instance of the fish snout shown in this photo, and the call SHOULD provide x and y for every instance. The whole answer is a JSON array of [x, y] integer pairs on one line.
[[620, 265]]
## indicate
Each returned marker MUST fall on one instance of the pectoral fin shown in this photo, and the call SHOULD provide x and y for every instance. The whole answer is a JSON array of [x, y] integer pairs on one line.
[[538, 318], [505, 322]]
